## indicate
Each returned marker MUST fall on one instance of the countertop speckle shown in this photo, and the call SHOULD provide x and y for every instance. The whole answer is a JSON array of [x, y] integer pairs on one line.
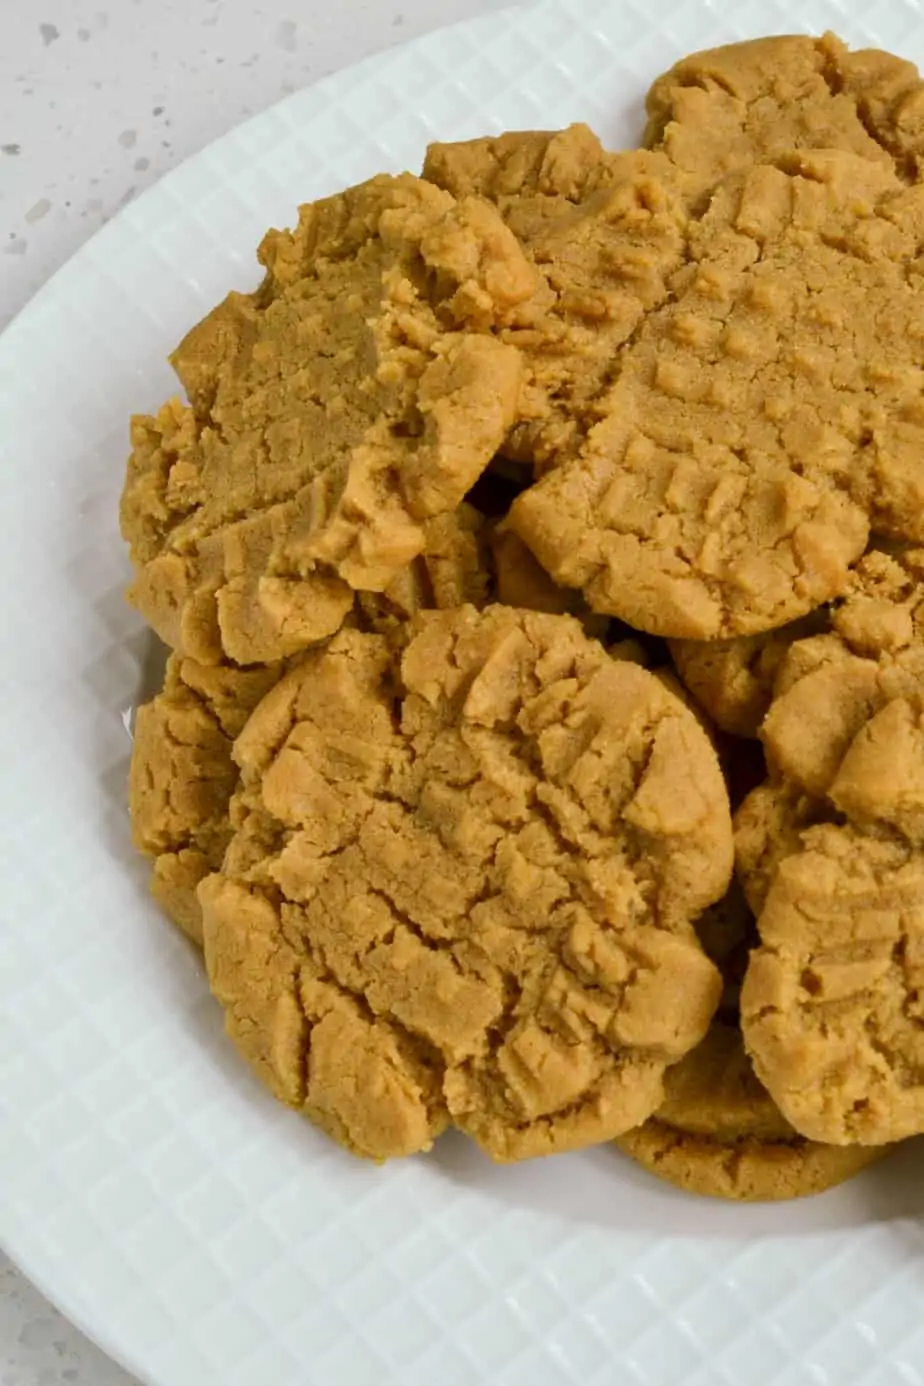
[[98, 99], [97, 103]]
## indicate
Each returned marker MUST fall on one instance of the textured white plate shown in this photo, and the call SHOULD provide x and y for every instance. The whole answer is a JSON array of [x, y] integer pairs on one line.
[[205, 1236]]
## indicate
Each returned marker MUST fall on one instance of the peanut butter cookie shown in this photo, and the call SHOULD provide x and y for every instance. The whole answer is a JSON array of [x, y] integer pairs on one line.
[[768, 827], [356, 395], [472, 869], [829, 687], [753, 102], [760, 422], [832, 854], [520, 581], [832, 1001], [719, 1133]]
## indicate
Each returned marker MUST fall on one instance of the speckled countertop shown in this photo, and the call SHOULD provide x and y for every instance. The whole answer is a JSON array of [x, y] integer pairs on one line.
[[98, 99]]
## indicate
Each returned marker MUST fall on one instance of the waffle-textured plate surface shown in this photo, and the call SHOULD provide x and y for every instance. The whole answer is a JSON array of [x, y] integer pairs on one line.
[[204, 1235]]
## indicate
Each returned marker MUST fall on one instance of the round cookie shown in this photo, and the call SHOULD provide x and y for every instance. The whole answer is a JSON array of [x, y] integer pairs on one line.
[[743, 454], [734, 679], [182, 776], [473, 866], [604, 231], [719, 1133], [356, 395], [831, 1005], [754, 102]]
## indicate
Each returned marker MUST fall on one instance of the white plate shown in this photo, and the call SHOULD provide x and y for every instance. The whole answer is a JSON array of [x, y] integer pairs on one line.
[[204, 1235]]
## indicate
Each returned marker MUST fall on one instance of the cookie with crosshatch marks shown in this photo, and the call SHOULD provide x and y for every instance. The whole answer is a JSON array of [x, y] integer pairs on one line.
[[462, 883], [831, 1003], [763, 421], [721, 410], [354, 397], [831, 851]]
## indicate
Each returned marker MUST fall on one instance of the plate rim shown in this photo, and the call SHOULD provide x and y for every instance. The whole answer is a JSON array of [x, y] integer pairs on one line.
[[39, 1268]]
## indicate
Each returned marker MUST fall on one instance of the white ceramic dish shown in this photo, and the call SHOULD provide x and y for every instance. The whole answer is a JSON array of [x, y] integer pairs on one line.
[[205, 1236]]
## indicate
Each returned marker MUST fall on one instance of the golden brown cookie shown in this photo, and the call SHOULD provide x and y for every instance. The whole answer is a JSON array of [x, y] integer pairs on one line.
[[475, 867], [182, 776], [604, 232], [719, 1133], [734, 679], [831, 851], [832, 1001], [356, 395], [756, 101], [761, 421]]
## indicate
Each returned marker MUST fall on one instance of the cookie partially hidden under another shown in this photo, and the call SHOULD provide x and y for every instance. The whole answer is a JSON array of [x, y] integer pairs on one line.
[[719, 1133], [734, 679]]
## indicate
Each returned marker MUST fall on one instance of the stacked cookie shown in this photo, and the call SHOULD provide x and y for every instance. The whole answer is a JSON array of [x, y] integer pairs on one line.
[[502, 524]]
